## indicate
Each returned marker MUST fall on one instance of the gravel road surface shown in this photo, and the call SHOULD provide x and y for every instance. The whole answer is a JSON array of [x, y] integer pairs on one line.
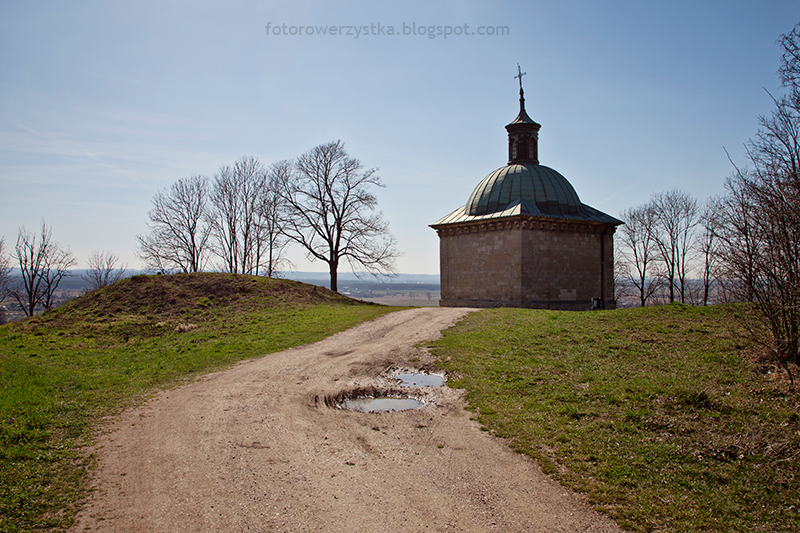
[[262, 447]]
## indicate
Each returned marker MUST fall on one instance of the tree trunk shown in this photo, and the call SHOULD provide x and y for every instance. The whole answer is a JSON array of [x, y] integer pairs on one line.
[[334, 267], [641, 291]]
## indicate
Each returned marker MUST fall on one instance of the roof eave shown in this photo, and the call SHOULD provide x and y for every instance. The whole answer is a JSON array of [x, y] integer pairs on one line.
[[589, 215]]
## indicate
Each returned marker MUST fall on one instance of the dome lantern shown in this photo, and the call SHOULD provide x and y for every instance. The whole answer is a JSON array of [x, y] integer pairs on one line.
[[523, 133]]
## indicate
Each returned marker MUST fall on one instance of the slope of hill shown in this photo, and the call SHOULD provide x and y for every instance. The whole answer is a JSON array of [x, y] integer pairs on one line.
[[146, 305], [65, 370]]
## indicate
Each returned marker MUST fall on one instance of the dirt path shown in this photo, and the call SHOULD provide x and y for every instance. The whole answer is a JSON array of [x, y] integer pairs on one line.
[[256, 448]]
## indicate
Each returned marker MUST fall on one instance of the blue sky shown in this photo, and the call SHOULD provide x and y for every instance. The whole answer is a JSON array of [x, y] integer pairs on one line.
[[103, 104]]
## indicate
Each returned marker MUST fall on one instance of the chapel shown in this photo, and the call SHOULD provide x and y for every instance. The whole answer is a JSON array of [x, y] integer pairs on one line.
[[524, 239]]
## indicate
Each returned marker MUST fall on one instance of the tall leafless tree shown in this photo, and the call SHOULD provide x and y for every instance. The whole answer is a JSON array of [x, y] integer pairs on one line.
[[104, 269], [59, 263], [5, 269], [5, 278], [244, 219], [763, 254], [43, 264], [708, 245], [273, 239], [224, 215], [789, 71], [738, 236], [760, 234], [331, 212], [178, 230], [638, 251], [675, 215]]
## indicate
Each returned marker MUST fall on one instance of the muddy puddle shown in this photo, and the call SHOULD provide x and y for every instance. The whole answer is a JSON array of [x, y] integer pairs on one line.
[[419, 380], [383, 400], [381, 405]]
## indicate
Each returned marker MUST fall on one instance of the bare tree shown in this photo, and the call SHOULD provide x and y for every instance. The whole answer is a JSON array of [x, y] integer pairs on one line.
[[5, 269], [224, 215], [178, 230], [708, 245], [42, 264], [104, 269], [31, 255], [271, 222], [738, 237], [676, 215], [763, 254], [245, 218], [638, 253], [331, 212], [59, 263], [760, 233], [5, 278], [789, 71]]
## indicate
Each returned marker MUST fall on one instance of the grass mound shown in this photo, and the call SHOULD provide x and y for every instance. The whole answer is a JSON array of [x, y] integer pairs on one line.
[[173, 295], [64, 370], [663, 416], [182, 295], [149, 306]]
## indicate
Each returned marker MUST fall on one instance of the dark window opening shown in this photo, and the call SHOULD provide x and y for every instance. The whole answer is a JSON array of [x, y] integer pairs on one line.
[[522, 149]]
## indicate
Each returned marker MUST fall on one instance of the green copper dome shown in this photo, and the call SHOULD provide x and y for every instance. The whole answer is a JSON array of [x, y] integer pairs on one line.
[[524, 188], [536, 187]]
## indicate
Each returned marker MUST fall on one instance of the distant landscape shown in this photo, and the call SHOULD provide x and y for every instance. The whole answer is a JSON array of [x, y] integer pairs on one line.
[[419, 290]]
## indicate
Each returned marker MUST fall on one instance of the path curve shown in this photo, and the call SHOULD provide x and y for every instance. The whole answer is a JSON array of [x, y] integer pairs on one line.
[[253, 448]]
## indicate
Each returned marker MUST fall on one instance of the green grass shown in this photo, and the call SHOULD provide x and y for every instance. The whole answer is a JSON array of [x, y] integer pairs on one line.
[[662, 415], [62, 372]]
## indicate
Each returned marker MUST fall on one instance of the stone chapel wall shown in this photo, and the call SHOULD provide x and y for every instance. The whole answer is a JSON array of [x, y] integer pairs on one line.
[[537, 264], [481, 268], [562, 265]]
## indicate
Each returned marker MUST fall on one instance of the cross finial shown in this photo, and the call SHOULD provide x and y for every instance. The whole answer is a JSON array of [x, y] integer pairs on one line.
[[519, 76]]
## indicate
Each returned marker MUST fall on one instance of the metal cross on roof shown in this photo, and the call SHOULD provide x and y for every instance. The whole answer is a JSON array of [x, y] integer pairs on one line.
[[519, 75]]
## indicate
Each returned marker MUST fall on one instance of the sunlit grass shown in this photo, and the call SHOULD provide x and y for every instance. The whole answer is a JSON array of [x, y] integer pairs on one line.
[[661, 415], [62, 372]]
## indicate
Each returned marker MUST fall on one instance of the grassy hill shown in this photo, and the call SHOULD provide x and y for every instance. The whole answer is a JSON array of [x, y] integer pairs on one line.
[[664, 416], [64, 370]]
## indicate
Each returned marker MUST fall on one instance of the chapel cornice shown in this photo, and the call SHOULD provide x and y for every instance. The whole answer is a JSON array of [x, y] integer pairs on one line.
[[524, 223]]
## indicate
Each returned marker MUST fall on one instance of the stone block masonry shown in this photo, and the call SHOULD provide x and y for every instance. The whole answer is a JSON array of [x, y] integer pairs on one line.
[[527, 262]]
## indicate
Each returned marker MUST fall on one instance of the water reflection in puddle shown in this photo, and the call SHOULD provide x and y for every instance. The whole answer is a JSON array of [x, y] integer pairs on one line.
[[382, 405], [419, 380]]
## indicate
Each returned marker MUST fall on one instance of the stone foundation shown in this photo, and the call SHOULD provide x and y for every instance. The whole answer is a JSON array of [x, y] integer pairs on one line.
[[554, 305]]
